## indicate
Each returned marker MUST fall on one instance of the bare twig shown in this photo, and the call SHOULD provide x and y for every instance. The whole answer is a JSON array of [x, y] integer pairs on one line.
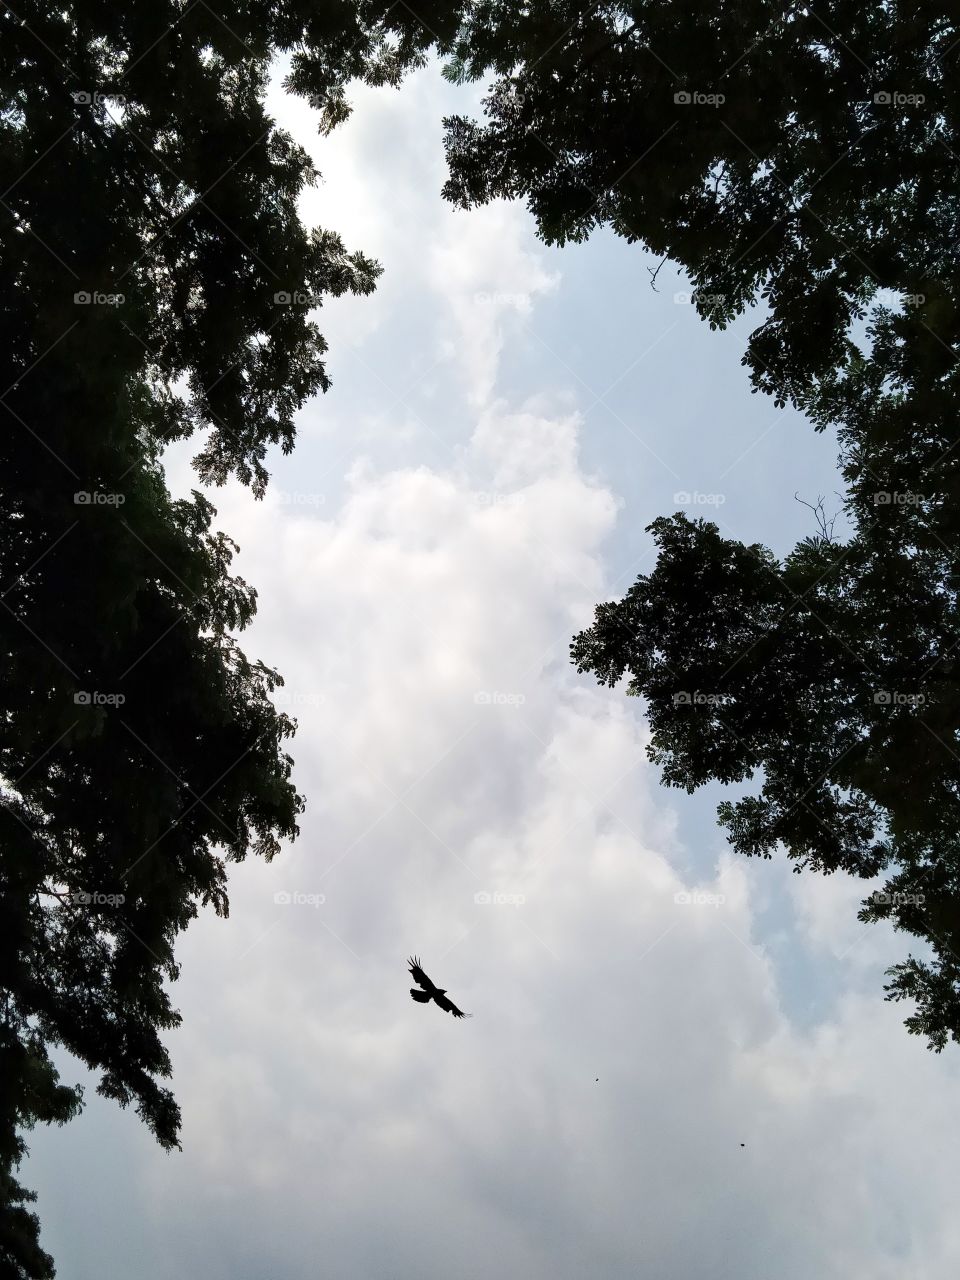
[[826, 526], [653, 274]]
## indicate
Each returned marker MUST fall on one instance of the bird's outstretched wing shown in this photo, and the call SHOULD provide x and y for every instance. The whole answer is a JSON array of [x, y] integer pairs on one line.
[[419, 977], [446, 1003]]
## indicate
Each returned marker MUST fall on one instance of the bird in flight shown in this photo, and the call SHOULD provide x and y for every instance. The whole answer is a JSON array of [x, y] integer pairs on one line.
[[437, 994]]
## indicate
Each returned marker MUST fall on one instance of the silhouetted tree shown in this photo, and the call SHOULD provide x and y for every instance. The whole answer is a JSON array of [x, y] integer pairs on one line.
[[156, 282], [833, 676], [795, 154]]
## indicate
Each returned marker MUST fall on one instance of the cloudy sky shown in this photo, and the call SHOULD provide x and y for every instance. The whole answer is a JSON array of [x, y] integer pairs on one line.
[[504, 422]]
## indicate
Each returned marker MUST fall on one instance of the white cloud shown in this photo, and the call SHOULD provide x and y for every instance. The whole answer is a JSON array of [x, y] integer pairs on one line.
[[484, 269], [826, 911], [349, 1103]]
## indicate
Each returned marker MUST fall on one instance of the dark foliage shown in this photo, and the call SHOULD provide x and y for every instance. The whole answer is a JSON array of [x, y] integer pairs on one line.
[[157, 283]]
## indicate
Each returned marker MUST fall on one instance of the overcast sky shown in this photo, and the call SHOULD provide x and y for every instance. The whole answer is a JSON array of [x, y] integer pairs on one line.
[[505, 420]]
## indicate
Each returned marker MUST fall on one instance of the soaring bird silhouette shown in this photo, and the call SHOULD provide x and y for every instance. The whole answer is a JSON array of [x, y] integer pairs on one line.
[[437, 994]]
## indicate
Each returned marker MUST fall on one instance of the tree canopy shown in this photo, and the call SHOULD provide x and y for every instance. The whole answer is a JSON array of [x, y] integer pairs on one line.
[[833, 676], [798, 155], [157, 284]]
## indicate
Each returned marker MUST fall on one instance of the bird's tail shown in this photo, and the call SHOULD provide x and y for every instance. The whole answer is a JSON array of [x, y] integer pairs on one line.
[[421, 996]]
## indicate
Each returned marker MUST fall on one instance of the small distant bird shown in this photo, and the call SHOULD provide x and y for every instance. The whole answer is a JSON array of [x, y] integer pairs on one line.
[[743, 1144], [437, 994]]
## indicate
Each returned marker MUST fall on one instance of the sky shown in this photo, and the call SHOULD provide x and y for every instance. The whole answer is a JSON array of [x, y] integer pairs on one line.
[[680, 1063]]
